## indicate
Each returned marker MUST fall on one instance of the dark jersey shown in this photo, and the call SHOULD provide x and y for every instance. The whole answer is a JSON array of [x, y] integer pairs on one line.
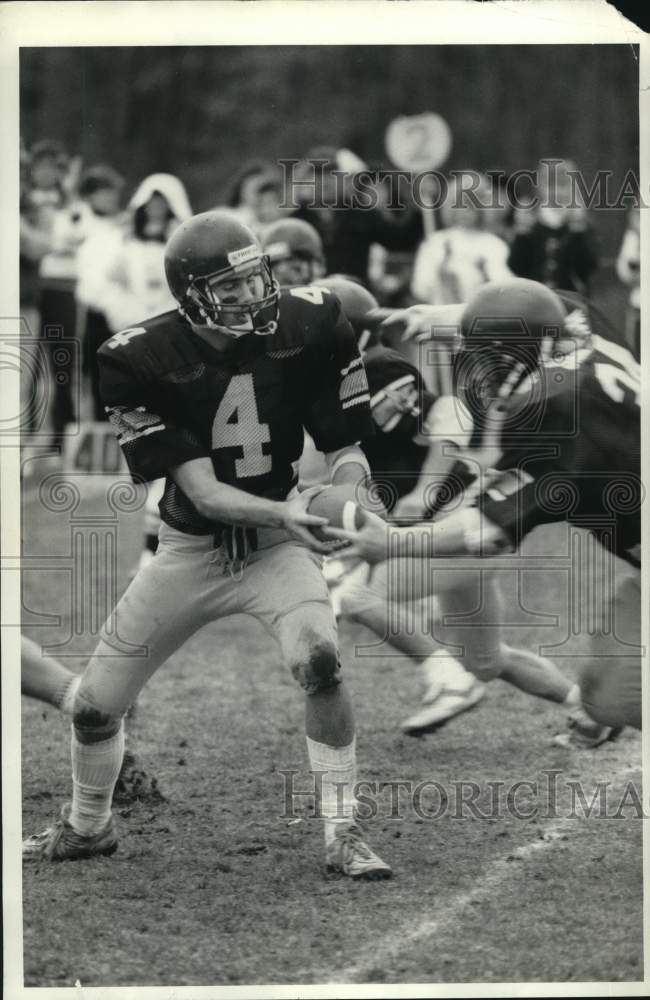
[[582, 462], [172, 398], [395, 457]]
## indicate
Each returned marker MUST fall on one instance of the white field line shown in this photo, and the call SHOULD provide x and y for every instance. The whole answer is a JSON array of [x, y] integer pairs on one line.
[[380, 952]]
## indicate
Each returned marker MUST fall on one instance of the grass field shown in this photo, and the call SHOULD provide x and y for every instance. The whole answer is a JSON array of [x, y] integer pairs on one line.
[[218, 885]]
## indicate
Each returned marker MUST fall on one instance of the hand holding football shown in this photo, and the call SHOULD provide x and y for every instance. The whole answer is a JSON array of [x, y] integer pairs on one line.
[[339, 506]]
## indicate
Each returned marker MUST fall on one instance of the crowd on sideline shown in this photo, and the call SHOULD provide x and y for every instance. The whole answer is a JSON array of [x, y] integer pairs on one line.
[[92, 251]]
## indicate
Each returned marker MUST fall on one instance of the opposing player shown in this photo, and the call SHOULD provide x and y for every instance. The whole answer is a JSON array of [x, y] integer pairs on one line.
[[399, 458], [419, 433], [429, 436], [215, 398], [569, 453]]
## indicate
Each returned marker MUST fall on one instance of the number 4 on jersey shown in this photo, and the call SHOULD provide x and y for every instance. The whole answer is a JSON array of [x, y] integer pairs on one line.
[[237, 424]]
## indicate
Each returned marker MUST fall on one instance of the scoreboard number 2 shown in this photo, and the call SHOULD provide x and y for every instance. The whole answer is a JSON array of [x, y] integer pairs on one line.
[[237, 425]]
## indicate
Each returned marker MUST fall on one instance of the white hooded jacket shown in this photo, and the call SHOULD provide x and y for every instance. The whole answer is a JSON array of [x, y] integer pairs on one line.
[[123, 276]]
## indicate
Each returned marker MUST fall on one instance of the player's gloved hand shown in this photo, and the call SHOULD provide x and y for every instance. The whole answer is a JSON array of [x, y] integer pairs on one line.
[[298, 522], [425, 322], [411, 321], [369, 543]]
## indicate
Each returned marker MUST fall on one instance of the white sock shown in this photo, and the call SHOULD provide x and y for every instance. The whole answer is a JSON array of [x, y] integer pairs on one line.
[[66, 699], [95, 769], [573, 699], [336, 767]]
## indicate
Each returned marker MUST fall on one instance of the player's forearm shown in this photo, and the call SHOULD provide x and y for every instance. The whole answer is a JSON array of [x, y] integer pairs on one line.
[[348, 467], [427, 541], [220, 502], [434, 472], [465, 533]]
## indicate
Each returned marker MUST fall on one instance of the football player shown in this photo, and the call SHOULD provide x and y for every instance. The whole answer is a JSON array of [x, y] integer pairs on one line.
[[569, 452], [409, 418], [408, 462], [46, 679], [215, 397], [397, 454], [295, 250]]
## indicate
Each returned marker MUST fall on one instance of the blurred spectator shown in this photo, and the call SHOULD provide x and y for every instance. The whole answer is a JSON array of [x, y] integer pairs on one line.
[[134, 285], [267, 203], [100, 190], [33, 245], [498, 216], [348, 232], [50, 232], [46, 191], [553, 241], [123, 275], [256, 194], [628, 270], [453, 262], [33, 241]]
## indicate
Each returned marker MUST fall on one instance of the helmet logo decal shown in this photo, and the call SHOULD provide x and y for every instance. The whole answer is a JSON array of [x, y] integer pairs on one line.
[[242, 256]]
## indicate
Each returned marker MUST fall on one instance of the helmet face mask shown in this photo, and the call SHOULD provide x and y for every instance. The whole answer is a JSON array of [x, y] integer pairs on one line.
[[224, 304], [509, 329], [394, 403]]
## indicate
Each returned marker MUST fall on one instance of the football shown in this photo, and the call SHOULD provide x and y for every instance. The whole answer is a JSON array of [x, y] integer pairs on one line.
[[338, 505]]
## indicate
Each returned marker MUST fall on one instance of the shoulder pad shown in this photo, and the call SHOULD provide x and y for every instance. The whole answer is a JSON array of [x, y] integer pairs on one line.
[[308, 315], [155, 346]]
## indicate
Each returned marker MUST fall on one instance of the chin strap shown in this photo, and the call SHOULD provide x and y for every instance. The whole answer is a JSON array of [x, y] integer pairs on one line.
[[229, 331]]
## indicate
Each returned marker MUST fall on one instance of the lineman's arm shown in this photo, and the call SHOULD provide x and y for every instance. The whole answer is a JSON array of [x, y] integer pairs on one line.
[[466, 532]]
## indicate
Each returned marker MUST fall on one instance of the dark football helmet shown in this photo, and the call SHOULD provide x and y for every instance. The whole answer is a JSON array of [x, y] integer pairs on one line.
[[397, 391], [508, 329], [295, 250], [220, 277], [357, 302]]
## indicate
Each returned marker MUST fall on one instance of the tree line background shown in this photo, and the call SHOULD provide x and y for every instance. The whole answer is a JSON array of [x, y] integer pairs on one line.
[[201, 112]]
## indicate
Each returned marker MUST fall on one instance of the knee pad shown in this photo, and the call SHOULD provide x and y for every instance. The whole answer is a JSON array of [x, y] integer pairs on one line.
[[319, 670], [92, 725]]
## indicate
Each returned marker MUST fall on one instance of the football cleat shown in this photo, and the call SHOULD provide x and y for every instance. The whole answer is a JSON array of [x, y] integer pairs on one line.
[[134, 784], [62, 843], [441, 704], [585, 734], [349, 855]]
